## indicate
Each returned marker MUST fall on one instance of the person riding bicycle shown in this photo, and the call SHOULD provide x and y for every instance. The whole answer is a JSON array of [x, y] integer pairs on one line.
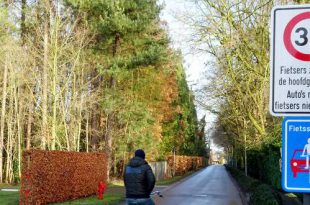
[[139, 180]]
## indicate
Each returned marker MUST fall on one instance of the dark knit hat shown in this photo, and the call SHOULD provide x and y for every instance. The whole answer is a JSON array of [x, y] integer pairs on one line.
[[140, 153]]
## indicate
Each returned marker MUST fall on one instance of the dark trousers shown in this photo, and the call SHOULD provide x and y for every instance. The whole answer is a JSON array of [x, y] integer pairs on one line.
[[144, 201]]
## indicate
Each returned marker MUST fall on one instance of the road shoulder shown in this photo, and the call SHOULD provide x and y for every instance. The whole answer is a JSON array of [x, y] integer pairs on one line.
[[244, 197]]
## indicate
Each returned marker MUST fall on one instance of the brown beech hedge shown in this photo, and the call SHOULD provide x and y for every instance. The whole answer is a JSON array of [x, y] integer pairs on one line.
[[57, 176], [184, 164]]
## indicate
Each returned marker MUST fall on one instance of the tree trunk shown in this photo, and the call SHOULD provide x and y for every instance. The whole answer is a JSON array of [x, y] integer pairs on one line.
[[245, 153], [18, 111], [44, 133], [245, 157], [19, 149], [116, 43], [29, 126], [64, 115], [55, 81], [23, 22], [2, 120], [10, 134], [109, 127], [109, 143], [87, 131]]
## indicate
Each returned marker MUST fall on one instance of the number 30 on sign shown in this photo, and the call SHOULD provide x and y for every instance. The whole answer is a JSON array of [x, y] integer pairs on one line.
[[297, 25]]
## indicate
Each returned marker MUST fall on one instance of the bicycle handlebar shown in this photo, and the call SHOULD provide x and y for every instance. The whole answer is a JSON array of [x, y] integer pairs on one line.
[[157, 193]]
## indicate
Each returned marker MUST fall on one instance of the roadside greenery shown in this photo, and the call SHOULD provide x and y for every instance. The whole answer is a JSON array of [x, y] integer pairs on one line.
[[235, 34], [114, 194], [166, 182], [259, 193], [81, 75], [9, 198]]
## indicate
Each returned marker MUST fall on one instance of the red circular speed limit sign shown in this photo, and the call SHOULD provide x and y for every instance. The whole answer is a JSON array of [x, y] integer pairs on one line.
[[304, 38]]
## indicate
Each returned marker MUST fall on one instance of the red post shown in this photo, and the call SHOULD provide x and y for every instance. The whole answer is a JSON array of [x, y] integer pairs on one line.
[[101, 189]]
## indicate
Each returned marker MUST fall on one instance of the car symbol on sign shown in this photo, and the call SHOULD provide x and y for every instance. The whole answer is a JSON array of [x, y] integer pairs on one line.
[[298, 162]]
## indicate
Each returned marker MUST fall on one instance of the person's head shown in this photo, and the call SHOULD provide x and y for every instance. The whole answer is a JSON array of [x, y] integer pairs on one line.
[[140, 153]]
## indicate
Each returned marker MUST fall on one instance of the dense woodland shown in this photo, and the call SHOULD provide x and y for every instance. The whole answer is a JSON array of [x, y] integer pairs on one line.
[[91, 75], [98, 75], [236, 36]]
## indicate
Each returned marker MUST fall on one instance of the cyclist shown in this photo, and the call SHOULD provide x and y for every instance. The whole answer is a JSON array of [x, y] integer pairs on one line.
[[139, 180], [307, 151]]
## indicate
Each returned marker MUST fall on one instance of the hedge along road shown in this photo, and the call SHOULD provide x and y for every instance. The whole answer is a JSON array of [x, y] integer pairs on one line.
[[212, 185]]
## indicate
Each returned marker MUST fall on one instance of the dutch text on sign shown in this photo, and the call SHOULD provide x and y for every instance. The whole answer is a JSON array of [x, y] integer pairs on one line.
[[290, 61]]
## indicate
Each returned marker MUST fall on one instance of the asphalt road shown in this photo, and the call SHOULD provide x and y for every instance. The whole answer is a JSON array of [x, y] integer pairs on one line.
[[211, 186]]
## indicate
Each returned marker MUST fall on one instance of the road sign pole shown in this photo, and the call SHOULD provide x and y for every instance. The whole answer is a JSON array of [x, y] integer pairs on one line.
[[306, 199]]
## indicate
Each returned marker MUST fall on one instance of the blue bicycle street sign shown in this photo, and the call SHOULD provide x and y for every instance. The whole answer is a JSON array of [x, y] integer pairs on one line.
[[296, 154]]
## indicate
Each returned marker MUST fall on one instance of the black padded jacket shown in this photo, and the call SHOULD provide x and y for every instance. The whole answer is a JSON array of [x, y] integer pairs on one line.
[[139, 179]]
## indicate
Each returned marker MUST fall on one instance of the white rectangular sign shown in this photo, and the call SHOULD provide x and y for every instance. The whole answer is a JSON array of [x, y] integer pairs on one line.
[[290, 61]]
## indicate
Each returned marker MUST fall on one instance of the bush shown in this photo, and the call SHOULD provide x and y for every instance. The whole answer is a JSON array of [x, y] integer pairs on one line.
[[264, 195], [260, 194], [184, 164], [56, 176], [267, 170], [247, 184]]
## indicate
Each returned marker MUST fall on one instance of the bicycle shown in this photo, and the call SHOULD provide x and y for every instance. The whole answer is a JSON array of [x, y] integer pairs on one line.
[[154, 194]]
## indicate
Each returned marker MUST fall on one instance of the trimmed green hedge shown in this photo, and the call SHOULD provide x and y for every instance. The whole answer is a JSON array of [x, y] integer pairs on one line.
[[266, 169], [260, 194], [264, 195]]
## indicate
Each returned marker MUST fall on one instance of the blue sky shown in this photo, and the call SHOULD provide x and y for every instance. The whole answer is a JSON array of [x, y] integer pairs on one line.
[[180, 34]]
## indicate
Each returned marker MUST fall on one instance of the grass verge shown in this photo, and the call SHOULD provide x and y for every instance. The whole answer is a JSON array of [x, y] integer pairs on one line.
[[113, 195], [172, 180], [9, 198]]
